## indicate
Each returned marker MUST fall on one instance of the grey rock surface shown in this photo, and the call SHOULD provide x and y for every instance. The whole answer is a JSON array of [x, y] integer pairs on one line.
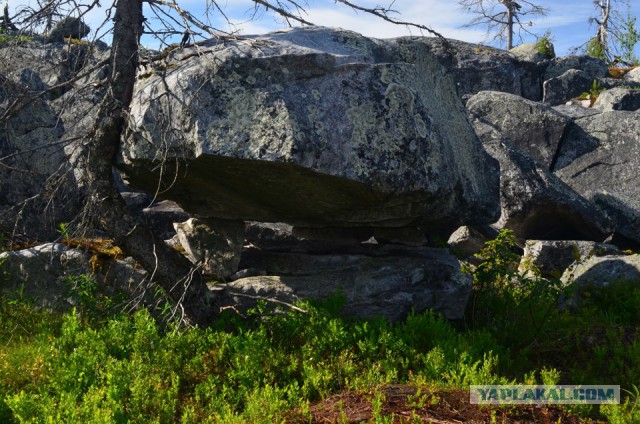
[[37, 185], [608, 174], [530, 52], [576, 142], [592, 67], [534, 128], [575, 110], [387, 281], [618, 99], [42, 273], [161, 215], [611, 82], [40, 144], [313, 127], [554, 257], [604, 271], [535, 203], [633, 75], [569, 85], [478, 68], [467, 241], [41, 66]]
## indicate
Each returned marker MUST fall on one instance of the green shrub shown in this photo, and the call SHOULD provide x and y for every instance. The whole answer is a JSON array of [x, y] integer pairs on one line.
[[17, 39], [544, 45], [86, 366], [595, 49], [512, 304]]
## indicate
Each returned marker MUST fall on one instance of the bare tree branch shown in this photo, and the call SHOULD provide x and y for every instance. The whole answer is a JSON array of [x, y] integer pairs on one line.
[[502, 18], [383, 13]]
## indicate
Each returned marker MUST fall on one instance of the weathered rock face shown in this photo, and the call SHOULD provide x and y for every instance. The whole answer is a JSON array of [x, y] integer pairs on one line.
[[608, 175], [388, 281], [534, 128], [314, 127], [40, 141], [42, 273], [564, 87], [41, 66], [633, 76], [33, 163], [468, 241], [575, 141], [575, 110], [552, 258], [618, 99], [604, 271], [535, 203], [359, 145], [592, 67], [478, 68]]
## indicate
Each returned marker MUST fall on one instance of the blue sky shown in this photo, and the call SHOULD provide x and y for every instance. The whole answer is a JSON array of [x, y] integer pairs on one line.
[[567, 20]]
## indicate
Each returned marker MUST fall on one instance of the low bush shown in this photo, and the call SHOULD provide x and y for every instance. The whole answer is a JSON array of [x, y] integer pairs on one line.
[[127, 368]]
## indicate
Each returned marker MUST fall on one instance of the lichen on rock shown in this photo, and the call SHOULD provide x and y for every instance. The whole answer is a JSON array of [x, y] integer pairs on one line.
[[313, 127]]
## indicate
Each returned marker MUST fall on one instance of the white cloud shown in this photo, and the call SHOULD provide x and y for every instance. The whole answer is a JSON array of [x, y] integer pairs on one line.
[[567, 20], [370, 25]]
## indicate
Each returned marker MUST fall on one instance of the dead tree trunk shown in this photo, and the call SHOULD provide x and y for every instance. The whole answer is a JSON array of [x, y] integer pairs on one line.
[[602, 34], [105, 204], [509, 25]]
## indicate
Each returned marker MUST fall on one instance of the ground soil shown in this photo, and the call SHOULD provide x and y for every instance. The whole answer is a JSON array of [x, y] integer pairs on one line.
[[405, 404]]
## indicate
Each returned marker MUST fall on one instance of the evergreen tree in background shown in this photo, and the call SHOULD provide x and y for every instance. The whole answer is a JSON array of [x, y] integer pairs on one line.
[[616, 33]]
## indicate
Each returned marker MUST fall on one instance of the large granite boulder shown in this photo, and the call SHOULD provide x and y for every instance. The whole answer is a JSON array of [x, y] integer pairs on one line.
[[40, 144], [314, 127], [608, 174], [575, 141], [535, 203], [534, 128]]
